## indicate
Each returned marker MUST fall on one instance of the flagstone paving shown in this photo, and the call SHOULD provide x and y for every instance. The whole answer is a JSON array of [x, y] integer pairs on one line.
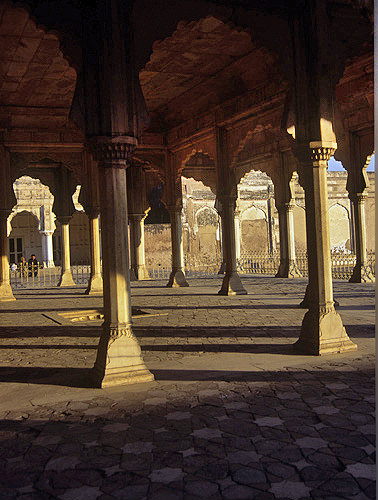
[[233, 413]]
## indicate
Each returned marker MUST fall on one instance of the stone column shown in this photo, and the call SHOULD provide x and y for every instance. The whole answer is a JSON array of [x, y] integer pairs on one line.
[[95, 279], [322, 329], [47, 249], [119, 359], [232, 284], [177, 277], [66, 278], [6, 293], [288, 267], [237, 237], [137, 249], [362, 273]]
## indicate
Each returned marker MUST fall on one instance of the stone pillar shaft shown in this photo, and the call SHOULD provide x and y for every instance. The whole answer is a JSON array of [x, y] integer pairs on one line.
[[322, 329], [137, 247], [288, 267], [95, 279], [361, 271], [66, 278], [177, 277], [6, 293], [232, 284], [119, 359], [47, 249]]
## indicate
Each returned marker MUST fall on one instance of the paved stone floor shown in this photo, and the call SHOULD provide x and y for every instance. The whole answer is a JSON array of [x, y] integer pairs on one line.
[[233, 413]]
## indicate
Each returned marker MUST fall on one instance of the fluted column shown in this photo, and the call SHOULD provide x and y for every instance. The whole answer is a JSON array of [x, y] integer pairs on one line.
[[322, 329], [95, 279], [362, 272], [288, 267], [6, 293], [66, 278], [137, 249], [119, 359], [232, 284], [47, 249], [177, 277]]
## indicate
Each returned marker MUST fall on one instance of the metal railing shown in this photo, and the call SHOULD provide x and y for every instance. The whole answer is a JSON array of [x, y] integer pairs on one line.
[[39, 277], [343, 263], [249, 263]]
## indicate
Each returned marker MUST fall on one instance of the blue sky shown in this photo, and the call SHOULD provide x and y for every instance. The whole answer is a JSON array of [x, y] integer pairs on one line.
[[337, 166]]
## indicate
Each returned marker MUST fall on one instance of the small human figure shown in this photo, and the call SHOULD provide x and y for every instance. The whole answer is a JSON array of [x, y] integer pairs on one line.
[[33, 265], [22, 266]]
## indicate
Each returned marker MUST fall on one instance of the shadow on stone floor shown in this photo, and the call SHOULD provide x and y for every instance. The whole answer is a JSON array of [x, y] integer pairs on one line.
[[82, 377], [155, 331]]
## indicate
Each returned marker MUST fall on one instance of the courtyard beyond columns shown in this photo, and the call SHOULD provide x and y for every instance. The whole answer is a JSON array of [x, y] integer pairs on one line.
[[232, 413]]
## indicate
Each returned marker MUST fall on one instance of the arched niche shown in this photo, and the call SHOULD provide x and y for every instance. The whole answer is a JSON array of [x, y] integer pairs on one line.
[[299, 215], [24, 236], [339, 225], [79, 238], [205, 244], [253, 230]]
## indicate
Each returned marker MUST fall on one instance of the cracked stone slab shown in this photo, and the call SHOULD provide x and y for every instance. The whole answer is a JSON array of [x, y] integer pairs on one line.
[[62, 463], [166, 475], [207, 433], [82, 493], [138, 447], [117, 427], [290, 489], [366, 471], [178, 415], [268, 421]]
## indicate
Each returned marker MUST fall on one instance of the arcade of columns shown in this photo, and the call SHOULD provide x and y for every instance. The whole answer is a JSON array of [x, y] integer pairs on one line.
[[115, 161]]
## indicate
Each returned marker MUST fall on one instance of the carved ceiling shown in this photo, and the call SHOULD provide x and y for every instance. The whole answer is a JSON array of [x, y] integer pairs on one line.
[[36, 82], [201, 65]]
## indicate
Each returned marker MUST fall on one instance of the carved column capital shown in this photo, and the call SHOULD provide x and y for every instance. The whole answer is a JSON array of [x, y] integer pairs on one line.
[[359, 198], [92, 211], [112, 152], [64, 219], [322, 151], [4, 213], [174, 208]]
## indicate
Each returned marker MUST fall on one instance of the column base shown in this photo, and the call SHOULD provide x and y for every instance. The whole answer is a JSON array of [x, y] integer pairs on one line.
[[306, 302], [323, 332], [66, 279], [119, 360], [143, 273], [222, 268], [177, 279], [94, 285], [48, 264], [289, 270], [232, 285], [362, 274], [6, 293]]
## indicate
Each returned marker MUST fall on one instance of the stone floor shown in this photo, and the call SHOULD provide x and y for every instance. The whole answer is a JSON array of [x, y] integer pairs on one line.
[[233, 413]]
